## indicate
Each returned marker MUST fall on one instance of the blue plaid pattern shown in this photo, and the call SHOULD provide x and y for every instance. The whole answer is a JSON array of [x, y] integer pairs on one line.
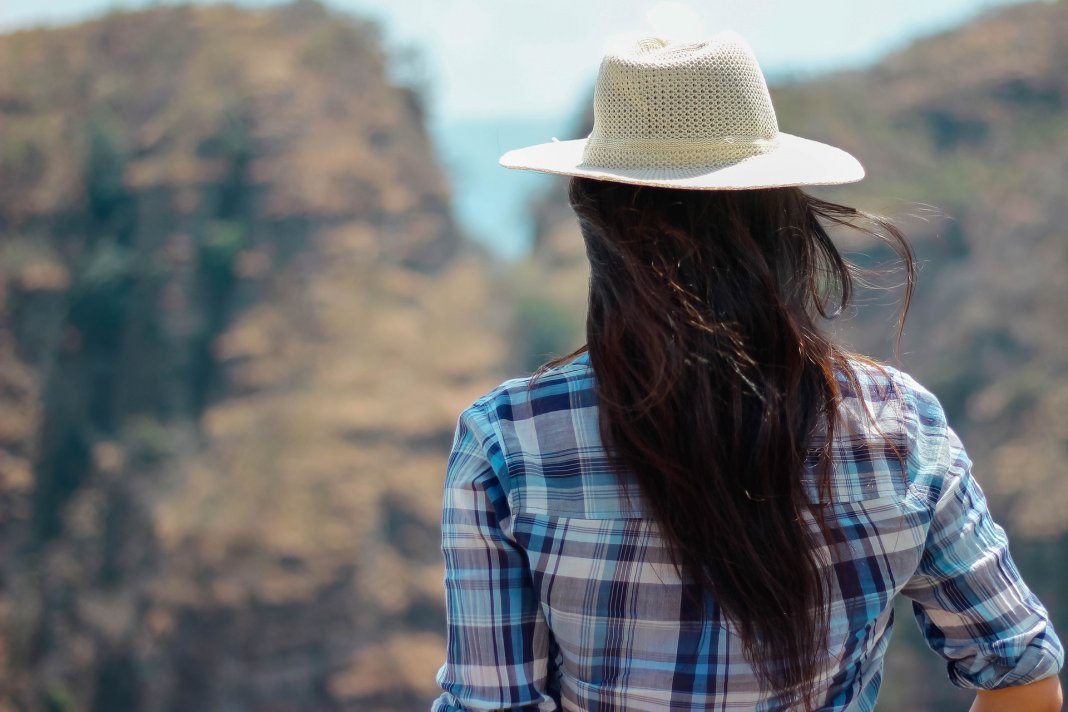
[[562, 596]]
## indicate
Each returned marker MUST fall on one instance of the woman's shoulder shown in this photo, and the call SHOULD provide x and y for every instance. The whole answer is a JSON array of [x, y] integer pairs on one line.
[[866, 382], [881, 406], [877, 383], [564, 386], [888, 404]]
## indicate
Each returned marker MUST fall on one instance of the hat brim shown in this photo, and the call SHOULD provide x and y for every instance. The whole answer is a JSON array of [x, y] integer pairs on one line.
[[794, 161]]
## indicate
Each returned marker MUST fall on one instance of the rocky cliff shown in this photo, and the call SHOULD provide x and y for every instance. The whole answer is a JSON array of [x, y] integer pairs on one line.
[[237, 325]]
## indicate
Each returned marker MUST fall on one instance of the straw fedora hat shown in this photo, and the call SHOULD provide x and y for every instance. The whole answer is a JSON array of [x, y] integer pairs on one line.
[[688, 115]]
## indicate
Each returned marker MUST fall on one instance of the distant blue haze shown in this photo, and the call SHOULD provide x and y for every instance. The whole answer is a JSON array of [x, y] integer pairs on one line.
[[492, 203]]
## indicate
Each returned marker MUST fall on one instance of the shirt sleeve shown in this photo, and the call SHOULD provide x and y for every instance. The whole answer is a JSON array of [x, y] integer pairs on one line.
[[972, 606], [498, 641]]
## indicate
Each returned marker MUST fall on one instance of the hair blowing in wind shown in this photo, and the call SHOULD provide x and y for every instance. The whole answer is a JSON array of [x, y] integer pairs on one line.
[[713, 377]]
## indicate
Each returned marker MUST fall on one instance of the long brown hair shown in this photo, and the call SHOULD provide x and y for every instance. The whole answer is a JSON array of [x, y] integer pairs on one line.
[[712, 377]]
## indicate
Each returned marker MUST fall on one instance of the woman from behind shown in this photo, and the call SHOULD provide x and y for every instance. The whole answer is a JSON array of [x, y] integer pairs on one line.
[[711, 505]]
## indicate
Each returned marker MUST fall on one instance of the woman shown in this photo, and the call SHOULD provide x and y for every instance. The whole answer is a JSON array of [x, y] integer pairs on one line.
[[711, 505]]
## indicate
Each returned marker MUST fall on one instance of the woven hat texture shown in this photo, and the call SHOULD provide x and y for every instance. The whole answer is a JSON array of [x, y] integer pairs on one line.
[[693, 115]]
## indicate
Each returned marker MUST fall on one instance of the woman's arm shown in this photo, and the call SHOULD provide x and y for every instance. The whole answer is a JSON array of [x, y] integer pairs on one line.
[[973, 606], [1041, 696], [497, 654]]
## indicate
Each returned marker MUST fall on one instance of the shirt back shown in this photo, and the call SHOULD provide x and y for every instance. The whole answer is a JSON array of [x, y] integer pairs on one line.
[[562, 594]]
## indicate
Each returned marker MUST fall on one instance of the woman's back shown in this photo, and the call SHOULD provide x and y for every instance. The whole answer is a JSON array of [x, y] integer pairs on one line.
[[714, 505], [586, 611]]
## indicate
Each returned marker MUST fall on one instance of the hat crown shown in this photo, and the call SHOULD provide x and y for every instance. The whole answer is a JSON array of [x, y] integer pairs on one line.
[[688, 115], [677, 105]]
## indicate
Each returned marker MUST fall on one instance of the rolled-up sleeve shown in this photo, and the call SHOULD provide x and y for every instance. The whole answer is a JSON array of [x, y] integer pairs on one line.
[[498, 642], [973, 607]]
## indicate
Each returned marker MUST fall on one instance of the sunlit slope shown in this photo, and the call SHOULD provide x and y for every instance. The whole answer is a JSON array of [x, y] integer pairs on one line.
[[238, 325]]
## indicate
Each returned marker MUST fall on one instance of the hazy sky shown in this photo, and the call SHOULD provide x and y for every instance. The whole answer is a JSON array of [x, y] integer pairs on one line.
[[539, 57]]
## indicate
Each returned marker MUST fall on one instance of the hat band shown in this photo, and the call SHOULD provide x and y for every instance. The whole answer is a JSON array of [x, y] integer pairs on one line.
[[656, 153]]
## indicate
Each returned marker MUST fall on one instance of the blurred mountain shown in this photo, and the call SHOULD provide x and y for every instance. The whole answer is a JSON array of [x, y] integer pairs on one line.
[[237, 325], [965, 138], [237, 322]]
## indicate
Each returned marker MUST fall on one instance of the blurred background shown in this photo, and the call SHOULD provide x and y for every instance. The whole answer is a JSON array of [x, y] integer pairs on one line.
[[255, 258]]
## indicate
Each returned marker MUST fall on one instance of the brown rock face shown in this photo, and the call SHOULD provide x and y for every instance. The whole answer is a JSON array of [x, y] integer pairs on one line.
[[238, 324]]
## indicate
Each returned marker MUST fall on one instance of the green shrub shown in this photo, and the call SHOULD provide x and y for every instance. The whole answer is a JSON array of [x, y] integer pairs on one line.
[[57, 699], [543, 330], [222, 241], [103, 290], [147, 442], [105, 162]]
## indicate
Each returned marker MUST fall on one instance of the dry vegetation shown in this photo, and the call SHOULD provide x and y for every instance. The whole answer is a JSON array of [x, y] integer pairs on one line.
[[237, 324]]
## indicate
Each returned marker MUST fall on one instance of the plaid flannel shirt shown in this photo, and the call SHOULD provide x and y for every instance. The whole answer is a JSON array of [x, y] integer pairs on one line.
[[562, 596]]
